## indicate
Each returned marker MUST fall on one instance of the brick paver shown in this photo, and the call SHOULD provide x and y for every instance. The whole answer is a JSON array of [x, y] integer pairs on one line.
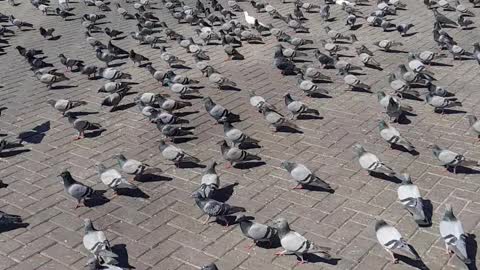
[[164, 229]]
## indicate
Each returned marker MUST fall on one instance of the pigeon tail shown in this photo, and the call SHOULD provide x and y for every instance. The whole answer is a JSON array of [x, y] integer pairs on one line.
[[312, 111]]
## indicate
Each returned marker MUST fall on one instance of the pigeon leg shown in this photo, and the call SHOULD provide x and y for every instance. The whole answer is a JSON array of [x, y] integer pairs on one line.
[[394, 260], [115, 194], [298, 186], [206, 220], [455, 169], [249, 247], [228, 165], [281, 253], [447, 250], [302, 261]]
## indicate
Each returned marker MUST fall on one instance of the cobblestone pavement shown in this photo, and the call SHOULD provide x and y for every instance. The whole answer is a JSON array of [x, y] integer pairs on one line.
[[165, 231]]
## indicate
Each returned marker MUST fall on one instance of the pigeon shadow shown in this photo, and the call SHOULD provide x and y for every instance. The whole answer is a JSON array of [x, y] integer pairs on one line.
[[309, 117], [55, 37], [463, 170], [119, 38], [61, 87], [132, 192], [469, 28], [419, 264], [249, 165], [230, 88], [289, 130], [150, 177], [472, 247], [438, 64], [428, 210], [452, 111], [181, 140], [223, 194], [121, 251], [395, 51], [97, 199], [356, 27], [314, 258], [76, 114], [11, 227], [180, 67], [13, 153], [249, 145], [403, 149], [35, 135], [188, 97], [410, 34], [301, 61], [317, 188], [361, 90], [95, 133], [124, 107], [382, 176], [190, 165], [182, 114], [374, 67], [117, 64], [3, 185]]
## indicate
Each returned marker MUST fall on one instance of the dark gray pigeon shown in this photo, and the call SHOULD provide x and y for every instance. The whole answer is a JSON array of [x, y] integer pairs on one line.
[[295, 243], [96, 242], [81, 125], [449, 158], [304, 176], [236, 155], [409, 195], [218, 112], [213, 208], [256, 231], [452, 232], [76, 189], [391, 240]]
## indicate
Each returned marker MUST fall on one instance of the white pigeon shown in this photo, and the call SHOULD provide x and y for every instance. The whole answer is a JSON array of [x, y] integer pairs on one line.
[[249, 19], [391, 240], [409, 195], [451, 230]]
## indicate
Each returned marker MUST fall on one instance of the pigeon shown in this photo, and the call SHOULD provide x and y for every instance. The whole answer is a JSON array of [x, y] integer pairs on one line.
[[177, 78], [69, 62], [113, 99], [308, 87], [350, 21], [392, 106], [325, 60], [219, 80], [295, 243], [28, 52], [105, 56], [50, 79], [46, 33], [403, 28], [335, 35], [175, 154], [170, 59], [369, 61], [391, 240], [294, 41], [63, 105], [112, 33], [442, 19], [441, 103], [115, 50], [113, 74], [170, 105], [113, 179], [386, 44], [325, 12], [172, 131], [96, 44], [297, 108], [370, 162], [353, 82], [258, 101], [211, 266], [234, 155], [283, 64], [132, 166], [96, 242], [474, 124], [113, 87], [426, 57], [452, 232], [213, 208], [256, 231], [123, 12], [275, 119], [314, 74], [210, 181], [77, 190], [137, 58], [304, 176], [332, 48], [9, 220], [410, 197], [218, 112], [81, 125], [289, 53], [463, 22], [236, 136], [18, 23], [449, 158], [392, 136]]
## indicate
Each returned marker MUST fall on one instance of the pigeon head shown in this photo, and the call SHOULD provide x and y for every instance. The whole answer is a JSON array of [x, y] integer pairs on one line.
[[380, 95], [435, 149], [51, 102], [380, 224], [448, 215], [382, 125], [100, 167], [92, 264], [471, 119], [162, 145], [88, 225], [359, 150], [211, 167], [281, 225], [227, 126], [120, 157], [211, 266], [288, 165], [65, 174], [207, 100], [406, 179]]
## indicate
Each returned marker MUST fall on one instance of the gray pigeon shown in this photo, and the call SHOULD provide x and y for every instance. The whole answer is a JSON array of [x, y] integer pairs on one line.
[[309, 87], [392, 106], [213, 208], [295, 243], [211, 266], [113, 179], [210, 181], [218, 112], [275, 119], [114, 99], [81, 125], [172, 131], [258, 101], [371, 162], [441, 103], [170, 105], [175, 154], [391, 240], [76, 189], [474, 124], [132, 166], [452, 232], [391, 135], [113, 87], [96, 242], [113, 74], [236, 136], [63, 105], [297, 108], [236, 155], [256, 231], [448, 158], [304, 176], [409, 195]]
